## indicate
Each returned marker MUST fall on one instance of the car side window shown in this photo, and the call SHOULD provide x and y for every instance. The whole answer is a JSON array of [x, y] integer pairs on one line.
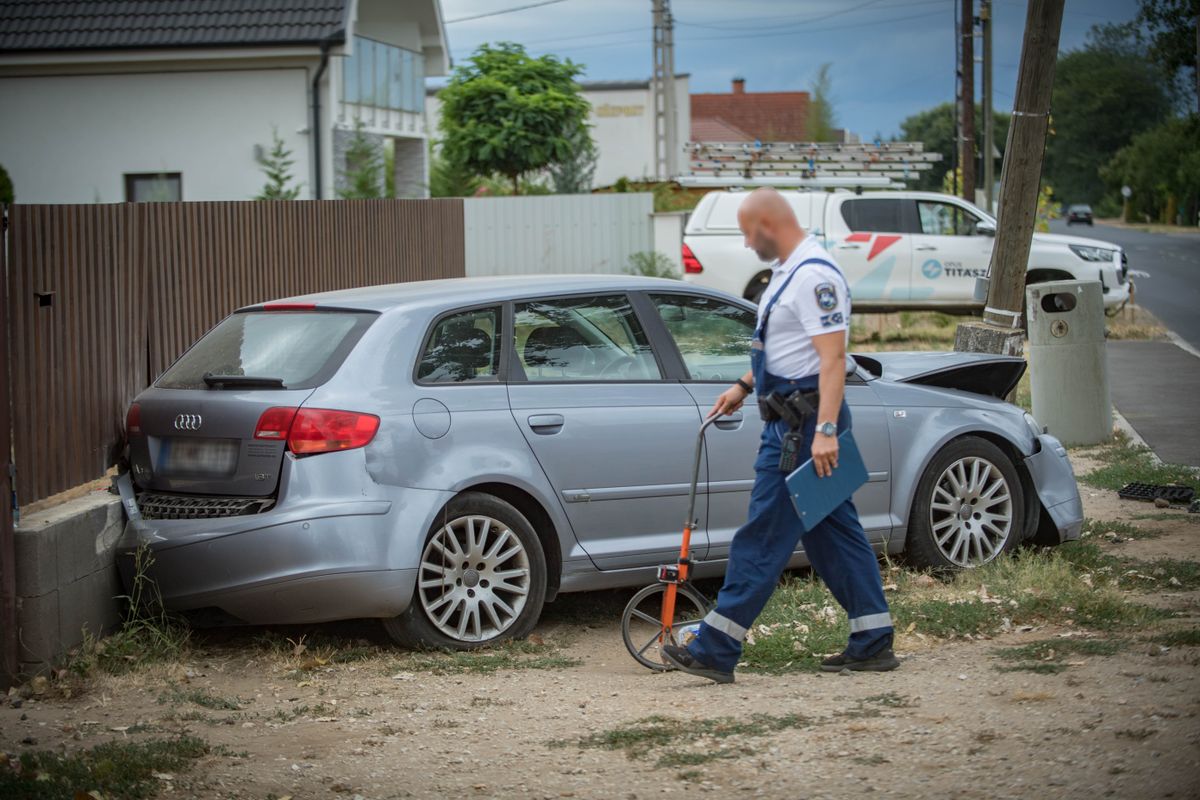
[[945, 219], [713, 337], [875, 215], [462, 347], [582, 339]]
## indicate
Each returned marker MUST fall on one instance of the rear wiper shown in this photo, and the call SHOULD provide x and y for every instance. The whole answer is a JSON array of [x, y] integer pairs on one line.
[[242, 382]]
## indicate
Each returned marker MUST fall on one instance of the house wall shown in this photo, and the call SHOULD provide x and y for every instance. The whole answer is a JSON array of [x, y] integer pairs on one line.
[[70, 139]]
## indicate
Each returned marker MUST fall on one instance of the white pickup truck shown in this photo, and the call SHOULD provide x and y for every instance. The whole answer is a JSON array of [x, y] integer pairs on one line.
[[899, 250]]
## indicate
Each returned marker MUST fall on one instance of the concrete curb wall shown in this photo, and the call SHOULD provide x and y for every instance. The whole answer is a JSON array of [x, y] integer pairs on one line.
[[67, 577]]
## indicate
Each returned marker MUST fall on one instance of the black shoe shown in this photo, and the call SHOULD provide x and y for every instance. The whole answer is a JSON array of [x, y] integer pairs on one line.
[[883, 661], [679, 658]]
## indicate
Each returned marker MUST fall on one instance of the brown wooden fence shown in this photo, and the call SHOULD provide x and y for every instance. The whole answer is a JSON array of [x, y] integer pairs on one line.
[[102, 298]]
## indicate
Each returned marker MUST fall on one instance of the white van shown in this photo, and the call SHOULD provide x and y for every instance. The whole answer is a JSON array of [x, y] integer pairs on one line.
[[898, 250]]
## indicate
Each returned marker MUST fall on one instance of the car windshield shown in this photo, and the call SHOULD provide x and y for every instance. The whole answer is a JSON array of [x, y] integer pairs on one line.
[[301, 349]]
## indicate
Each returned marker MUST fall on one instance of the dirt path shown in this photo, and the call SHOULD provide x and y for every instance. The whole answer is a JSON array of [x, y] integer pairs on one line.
[[950, 723]]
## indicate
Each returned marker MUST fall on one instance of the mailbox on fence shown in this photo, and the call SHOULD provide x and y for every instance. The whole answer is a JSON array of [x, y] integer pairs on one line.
[[1068, 372]]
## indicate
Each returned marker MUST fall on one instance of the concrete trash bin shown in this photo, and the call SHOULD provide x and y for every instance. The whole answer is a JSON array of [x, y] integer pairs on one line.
[[1068, 372]]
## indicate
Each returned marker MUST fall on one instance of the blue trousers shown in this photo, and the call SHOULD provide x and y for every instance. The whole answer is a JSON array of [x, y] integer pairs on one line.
[[837, 548]]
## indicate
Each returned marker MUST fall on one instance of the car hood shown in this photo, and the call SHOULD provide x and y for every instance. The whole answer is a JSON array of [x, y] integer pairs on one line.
[[978, 373], [1063, 239]]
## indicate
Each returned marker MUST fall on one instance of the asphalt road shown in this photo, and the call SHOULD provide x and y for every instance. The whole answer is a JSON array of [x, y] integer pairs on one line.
[[1172, 292]]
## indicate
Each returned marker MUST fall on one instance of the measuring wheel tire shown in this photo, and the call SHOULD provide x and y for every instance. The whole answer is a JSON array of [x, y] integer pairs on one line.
[[481, 580], [641, 621], [969, 507]]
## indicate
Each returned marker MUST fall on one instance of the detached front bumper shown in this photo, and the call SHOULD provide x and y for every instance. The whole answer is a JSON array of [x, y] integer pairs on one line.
[[1054, 482], [312, 562]]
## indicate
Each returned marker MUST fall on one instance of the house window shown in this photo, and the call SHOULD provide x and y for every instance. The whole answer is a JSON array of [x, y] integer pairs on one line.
[[384, 76], [153, 187]]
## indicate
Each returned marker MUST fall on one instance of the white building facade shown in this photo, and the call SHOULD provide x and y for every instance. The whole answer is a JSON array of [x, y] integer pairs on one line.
[[125, 105]]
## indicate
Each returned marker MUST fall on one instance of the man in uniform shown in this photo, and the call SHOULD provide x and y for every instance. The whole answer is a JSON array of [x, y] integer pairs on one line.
[[799, 346]]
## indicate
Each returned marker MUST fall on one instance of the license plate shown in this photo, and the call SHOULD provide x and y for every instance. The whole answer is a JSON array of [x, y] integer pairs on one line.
[[206, 457]]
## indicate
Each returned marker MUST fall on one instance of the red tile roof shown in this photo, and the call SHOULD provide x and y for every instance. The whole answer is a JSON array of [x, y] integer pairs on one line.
[[769, 116], [715, 129]]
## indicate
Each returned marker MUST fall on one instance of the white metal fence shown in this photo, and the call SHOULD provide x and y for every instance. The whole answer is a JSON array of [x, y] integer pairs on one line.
[[557, 234]]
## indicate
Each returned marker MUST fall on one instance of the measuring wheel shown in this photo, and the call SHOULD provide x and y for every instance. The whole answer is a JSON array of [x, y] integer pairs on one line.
[[642, 627]]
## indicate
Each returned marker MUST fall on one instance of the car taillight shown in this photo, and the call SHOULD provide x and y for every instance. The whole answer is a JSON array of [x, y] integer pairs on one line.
[[133, 420], [691, 264], [316, 430], [275, 423]]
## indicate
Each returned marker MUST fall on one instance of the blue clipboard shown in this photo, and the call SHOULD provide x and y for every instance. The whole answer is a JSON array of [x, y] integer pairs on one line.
[[815, 497]]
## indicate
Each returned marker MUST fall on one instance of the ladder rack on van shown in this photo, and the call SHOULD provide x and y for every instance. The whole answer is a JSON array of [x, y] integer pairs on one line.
[[821, 165]]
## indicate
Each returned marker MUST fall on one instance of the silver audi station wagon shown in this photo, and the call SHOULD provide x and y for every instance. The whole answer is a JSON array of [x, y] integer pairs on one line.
[[448, 456]]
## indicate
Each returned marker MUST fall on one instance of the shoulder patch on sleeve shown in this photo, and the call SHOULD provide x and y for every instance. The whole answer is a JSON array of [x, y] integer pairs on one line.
[[827, 298]]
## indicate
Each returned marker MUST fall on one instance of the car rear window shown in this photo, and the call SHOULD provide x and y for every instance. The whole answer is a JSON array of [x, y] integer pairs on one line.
[[300, 348]]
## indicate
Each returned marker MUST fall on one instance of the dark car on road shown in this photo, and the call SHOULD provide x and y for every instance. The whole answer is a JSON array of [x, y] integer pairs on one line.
[[1081, 213]]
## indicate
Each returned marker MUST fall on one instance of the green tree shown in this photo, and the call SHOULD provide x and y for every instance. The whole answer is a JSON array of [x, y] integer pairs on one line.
[[277, 165], [935, 128], [364, 167], [448, 178], [1105, 93], [573, 175], [7, 193], [1162, 167], [1172, 28], [822, 122], [506, 113]]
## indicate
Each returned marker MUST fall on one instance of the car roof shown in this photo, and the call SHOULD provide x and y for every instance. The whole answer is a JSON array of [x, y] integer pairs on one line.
[[453, 292]]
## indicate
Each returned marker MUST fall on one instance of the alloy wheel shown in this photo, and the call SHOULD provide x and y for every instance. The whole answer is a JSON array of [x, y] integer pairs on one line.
[[474, 578], [971, 512]]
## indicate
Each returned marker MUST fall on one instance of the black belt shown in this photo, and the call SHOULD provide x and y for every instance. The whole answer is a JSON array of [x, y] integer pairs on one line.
[[792, 406]]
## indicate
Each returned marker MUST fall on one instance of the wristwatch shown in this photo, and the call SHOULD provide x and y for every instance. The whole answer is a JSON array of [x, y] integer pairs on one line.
[[827, 428], [745, 386]]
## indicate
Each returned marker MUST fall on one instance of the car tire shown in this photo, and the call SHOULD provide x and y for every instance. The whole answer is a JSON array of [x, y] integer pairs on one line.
[[969, 472], [481, 579]]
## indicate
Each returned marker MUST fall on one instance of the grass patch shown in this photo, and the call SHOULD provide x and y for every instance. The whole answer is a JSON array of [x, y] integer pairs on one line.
[[1116, 530], [908, 330], [1045, 657], [1038, 667], [1127, 463], [120, 769], [148, 634], [663, 736], [176, 696], [1167, 516], [507, 656], [1189, 637], [1076, 583]]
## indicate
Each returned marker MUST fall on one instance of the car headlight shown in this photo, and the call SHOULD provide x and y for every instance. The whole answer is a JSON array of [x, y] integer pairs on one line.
[[1034, 427], [1092, 253]]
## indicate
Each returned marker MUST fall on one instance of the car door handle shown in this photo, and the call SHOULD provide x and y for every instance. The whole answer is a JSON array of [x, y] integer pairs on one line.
[[729, 422], [546, 424], [924, 247], [848, 247]]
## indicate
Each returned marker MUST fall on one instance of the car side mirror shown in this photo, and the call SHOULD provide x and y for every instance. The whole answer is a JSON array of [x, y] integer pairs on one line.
[[985, 228]]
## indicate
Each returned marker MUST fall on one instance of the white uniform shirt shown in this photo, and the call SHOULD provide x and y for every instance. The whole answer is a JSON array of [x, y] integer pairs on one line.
[[817, 301]]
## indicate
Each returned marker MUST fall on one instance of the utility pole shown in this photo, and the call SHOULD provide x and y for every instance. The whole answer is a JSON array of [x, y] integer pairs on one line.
[[666, 157], [957, 148], [989, 126], [967, 99], [1000, 330]]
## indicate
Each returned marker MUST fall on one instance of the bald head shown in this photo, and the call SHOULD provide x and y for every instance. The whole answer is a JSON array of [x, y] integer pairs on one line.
[[769, 224]]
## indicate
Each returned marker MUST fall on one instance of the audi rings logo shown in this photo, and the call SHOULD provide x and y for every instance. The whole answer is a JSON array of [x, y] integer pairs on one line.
[[188, 422]]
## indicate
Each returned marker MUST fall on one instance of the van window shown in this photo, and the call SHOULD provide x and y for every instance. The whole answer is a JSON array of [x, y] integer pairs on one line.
[[875, 215]]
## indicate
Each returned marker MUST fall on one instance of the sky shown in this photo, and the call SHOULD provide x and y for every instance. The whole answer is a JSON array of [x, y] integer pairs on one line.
[[890, 58]]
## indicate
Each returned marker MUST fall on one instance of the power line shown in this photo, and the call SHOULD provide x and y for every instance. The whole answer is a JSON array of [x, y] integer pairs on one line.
[[816, 30], [788, 17], [505, 11]]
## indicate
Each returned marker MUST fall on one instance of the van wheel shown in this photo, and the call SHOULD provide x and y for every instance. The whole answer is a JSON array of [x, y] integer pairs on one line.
[[969, 507], [481, 580], [756, 287]]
